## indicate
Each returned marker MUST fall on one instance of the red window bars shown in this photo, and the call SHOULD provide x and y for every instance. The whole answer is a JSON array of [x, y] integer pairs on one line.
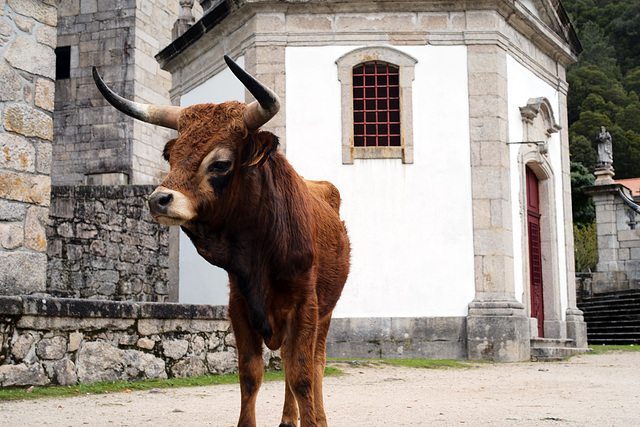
[[376, 105]]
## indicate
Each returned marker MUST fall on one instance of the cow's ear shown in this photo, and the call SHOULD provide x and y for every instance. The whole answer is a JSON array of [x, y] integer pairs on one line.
[[167, 149], [259, 147]]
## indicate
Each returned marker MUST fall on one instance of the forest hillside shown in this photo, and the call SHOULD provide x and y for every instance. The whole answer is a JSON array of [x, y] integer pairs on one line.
[[604, 89]]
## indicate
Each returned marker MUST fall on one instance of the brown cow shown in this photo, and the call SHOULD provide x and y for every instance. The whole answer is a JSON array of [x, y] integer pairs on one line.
[[278, 236]]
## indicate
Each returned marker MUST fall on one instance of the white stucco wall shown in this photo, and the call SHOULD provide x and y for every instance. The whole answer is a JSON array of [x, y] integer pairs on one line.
[[410, 225], [522, 85], [201, 282]]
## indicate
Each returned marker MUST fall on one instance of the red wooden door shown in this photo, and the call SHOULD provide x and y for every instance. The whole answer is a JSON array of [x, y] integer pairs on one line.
[[535, 255]]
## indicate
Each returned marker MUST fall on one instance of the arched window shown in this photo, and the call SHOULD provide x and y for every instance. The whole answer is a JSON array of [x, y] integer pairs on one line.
[[376, 104]]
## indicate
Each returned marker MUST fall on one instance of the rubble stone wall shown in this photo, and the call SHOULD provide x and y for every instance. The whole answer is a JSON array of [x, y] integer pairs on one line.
[[66, 341], [104, 245], [27, 72]]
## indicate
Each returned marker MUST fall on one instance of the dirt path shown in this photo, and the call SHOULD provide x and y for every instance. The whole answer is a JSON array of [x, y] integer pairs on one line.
[[589, 390]]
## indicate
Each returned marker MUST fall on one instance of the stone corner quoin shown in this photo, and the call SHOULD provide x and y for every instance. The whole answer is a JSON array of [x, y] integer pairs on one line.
[[27, 87]]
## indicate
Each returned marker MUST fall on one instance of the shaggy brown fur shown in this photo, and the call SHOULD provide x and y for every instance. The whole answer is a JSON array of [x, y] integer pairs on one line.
[[278, 236]]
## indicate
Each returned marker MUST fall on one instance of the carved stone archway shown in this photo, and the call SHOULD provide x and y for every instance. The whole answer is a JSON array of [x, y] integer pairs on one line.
[[539, 125]]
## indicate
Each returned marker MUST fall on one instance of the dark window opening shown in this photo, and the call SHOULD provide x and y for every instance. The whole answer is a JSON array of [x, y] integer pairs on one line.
[[376, 105], [63, 62]]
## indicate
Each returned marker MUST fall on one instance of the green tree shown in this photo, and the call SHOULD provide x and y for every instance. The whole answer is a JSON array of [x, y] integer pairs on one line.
[[632, 81], [597, 49], [583, 152], [589, 79], [625, 31], [585, 247], [629, 117], [584, 211]]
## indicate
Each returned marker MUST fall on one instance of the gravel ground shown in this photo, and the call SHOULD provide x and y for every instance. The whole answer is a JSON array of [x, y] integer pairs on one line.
[[587, 390]]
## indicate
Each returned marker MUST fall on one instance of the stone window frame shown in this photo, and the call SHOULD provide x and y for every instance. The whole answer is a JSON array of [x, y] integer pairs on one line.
[[406, 65]]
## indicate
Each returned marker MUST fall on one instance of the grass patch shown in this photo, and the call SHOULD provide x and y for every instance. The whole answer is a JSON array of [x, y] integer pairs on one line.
[[428, 364], [602, 349], [411, 363], [129, 386]]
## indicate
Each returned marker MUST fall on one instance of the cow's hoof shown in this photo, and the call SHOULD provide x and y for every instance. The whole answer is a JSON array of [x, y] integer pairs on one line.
[[286, 425]]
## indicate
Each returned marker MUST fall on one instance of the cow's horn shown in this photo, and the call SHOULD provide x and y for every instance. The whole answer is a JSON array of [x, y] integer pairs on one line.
[[267, 102], [161, 115]]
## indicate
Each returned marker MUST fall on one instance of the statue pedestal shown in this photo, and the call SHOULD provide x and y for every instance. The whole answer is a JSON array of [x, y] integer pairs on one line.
[[604, 176]]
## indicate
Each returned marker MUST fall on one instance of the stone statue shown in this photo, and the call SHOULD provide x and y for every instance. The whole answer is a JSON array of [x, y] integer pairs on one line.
[[605, 149]]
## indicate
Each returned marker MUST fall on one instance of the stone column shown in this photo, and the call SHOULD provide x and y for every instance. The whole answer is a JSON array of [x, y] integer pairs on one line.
[[610, 272], [575, 324], [27, 73], [497, 326], [265, 60]]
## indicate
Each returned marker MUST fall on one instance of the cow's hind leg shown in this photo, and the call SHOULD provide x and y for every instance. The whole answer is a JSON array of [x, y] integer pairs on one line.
[[250, 364], [297, 354], [319, 364]]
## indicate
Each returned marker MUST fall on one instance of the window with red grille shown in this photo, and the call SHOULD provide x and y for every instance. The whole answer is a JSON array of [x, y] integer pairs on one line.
[[376, 105]]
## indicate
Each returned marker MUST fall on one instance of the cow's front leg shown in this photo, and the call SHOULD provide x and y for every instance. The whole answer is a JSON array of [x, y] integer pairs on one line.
[[290, 410], [250, 364], [298, 357]]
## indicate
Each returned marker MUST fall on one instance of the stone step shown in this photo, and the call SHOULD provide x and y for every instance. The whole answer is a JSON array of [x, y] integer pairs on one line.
[[620, 306], [616, 294], [614, 314], [615, 326], [612, 318], [555, 353], [614, 341], [623, 335], [551, 342], [609, 299]]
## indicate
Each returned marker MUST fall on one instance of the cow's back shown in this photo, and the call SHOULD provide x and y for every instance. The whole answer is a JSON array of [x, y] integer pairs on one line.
[[332, 244], [326, 191]]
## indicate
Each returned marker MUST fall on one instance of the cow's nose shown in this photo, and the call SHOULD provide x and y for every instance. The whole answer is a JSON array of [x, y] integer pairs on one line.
[[159, 203]]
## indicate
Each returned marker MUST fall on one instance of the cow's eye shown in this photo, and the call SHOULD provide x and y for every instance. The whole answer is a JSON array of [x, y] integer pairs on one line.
[[219, 166]]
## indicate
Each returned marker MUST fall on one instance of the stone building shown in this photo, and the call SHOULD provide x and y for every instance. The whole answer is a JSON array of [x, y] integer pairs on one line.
[[609, 296], [27, 73], [103, 243], [94, 144], [444, 126], [617, 215]]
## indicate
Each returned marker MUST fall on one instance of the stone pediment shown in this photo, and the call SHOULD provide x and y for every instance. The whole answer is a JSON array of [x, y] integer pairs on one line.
[[544, 22], [554, 16]]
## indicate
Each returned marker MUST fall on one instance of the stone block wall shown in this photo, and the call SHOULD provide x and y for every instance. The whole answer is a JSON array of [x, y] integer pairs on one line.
[[27, 68], [66, 341], [96, 144], [103, 244], [618, 267]]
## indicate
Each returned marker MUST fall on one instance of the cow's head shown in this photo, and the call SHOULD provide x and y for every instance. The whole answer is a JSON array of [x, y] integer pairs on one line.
[[217, 144]]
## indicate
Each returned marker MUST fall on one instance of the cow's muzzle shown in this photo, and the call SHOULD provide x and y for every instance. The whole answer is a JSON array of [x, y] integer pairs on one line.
[[159, 203], [169, 207]]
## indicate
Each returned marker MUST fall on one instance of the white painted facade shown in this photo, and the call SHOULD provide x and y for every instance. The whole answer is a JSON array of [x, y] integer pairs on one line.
[[403, 249], [199, 281], [438, 229]]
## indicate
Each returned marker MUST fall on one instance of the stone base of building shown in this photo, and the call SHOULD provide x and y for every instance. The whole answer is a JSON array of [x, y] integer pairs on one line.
[[498, 331], [398, 337], [576, 328]]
